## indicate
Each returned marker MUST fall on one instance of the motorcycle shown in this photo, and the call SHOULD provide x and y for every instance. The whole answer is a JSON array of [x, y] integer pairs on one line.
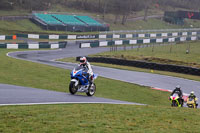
[[191, 102], [175, 100], [80, 83]]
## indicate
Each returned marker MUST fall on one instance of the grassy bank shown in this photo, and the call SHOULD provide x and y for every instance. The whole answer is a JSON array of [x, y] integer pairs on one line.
[[26, 26], [98, 118], [153, 24]]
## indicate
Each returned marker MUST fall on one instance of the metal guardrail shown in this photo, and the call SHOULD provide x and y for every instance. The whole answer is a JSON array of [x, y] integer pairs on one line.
[[13, 18], [148, 31]]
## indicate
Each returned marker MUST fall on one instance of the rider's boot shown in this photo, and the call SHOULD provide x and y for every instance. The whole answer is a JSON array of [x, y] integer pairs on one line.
[[91, 80]]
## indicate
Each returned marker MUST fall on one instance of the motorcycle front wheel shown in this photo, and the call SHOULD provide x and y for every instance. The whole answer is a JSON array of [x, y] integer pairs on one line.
[[174, 103], [91, 90], [190, 106], [72, 88]]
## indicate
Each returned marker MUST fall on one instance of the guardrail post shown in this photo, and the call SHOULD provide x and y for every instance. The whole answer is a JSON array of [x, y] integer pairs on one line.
[[152, 48]]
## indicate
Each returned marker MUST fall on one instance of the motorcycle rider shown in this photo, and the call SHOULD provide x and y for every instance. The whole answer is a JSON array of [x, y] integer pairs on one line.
[[179, 92], [193, 97], [85, 63]]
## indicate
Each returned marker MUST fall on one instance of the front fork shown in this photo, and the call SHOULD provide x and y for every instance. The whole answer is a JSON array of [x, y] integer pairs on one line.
[[179, 105]]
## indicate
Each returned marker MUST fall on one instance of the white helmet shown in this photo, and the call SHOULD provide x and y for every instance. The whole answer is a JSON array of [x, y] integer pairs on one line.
[[192, 92], [178, 86], [83, 60]]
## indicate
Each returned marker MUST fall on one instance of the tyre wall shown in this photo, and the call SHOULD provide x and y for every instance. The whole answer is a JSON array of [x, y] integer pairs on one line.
[[146, 65]]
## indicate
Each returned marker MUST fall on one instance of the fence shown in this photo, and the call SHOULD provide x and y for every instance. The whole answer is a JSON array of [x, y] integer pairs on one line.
[[33, 45], [137, 41], [14, 18], [112, 36]]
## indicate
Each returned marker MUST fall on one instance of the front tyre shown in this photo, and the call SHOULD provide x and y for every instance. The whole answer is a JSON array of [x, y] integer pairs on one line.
[[174, 103], [72, 88], [91, 90], [190, 106]]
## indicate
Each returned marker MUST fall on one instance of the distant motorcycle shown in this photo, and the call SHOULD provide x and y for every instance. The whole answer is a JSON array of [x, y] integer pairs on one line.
[[80, 83], [175, 100], [191, 102]]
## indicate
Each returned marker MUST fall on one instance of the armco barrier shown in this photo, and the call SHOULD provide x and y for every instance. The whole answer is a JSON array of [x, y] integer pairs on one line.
[[4, 37], [148, 65], [34, 46], [115, 35], [137, 41], [43, 36]]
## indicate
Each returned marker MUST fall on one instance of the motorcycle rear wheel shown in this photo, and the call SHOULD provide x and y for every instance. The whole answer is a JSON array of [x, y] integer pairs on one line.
[[91, 90], [72, 88]]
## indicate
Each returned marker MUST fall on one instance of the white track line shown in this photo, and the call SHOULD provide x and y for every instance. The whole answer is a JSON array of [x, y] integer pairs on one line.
[[48, 103]]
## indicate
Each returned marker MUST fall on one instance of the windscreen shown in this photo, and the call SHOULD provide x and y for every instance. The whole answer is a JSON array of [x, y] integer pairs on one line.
[[80, 67], [175, 95]]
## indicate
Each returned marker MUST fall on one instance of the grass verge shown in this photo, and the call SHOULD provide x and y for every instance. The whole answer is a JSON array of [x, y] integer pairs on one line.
[[81, 118]]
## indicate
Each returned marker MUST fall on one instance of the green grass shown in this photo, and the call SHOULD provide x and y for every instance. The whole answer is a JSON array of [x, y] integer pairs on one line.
[[11, 41], [26, 26], [153, 24], [18, 26], [98, 118], [25, 73], [16, 12]]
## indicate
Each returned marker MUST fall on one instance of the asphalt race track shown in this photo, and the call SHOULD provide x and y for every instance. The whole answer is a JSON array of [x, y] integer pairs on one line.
[[15, 94]]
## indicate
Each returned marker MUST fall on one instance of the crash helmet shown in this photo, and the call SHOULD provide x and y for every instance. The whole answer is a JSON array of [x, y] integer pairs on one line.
[[178, 87], [192, 93], [83, 60]]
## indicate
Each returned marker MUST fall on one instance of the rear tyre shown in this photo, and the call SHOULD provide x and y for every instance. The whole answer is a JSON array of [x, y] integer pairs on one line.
[[72, 88], [91, 90]]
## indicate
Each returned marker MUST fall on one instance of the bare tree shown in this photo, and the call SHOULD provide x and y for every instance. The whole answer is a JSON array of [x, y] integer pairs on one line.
[[105, 9], [127, 8], [148, 4]]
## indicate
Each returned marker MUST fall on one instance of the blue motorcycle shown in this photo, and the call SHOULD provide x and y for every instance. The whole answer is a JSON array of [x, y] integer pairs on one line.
[[80, 83]]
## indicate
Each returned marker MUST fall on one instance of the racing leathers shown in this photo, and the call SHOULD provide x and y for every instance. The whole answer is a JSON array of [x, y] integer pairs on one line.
[[193, 97], [90, 72]]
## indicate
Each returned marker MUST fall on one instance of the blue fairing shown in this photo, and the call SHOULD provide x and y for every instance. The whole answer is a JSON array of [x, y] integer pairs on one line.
[[80, 73]]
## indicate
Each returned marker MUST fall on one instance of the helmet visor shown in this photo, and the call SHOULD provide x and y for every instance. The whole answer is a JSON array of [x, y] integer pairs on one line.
[[82, 61]]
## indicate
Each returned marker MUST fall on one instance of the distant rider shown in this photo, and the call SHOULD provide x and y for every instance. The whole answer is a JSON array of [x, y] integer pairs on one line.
[[193, 97], [180, 94], [85, 63]]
